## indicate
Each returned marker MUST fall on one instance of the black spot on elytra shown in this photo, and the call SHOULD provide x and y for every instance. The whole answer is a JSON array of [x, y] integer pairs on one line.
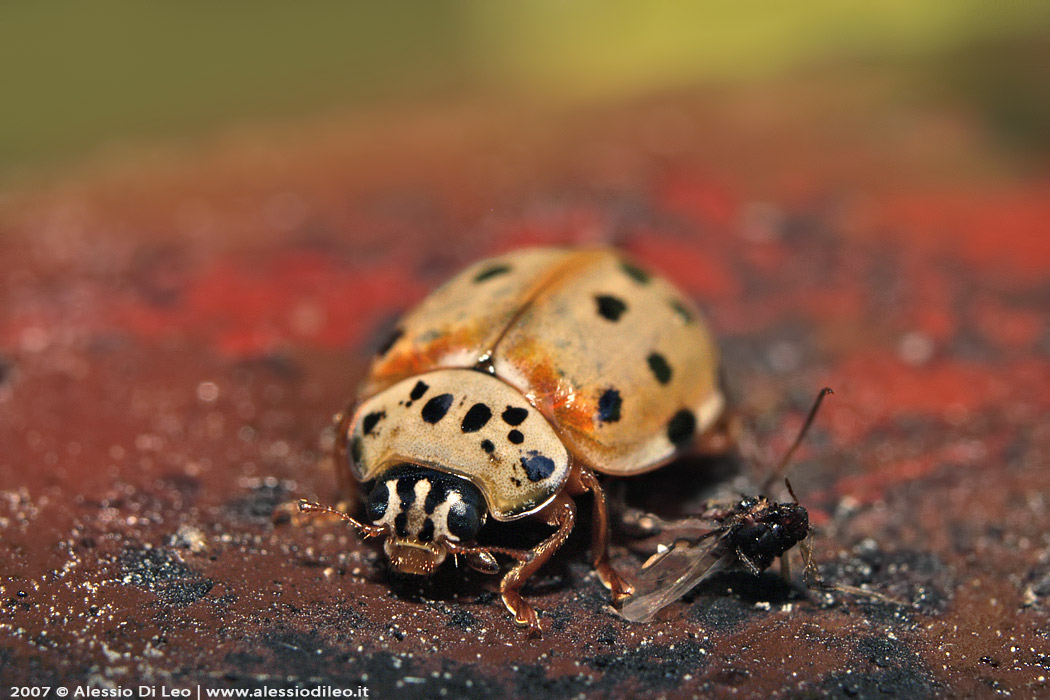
[[426, 533], [610, 307], [681, 427], [515, 416], [418, 390], [683, 313], [490, 272], [487, 446], [389, 341], [537, 467], [476, 418], [516, 437], [609, 406], [661, 370], [634, 272], [369, 422], [355, 450], [435, 409]]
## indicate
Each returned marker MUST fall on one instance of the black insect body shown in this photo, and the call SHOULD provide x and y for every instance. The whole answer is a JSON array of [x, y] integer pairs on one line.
[[757, 531], [751, 533]]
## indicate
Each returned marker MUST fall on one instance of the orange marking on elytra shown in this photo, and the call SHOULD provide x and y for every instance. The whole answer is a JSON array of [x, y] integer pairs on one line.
[[553, 395], [419, 357]]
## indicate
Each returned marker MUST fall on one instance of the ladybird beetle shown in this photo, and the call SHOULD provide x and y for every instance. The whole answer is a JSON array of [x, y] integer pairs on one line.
[[504, 392]]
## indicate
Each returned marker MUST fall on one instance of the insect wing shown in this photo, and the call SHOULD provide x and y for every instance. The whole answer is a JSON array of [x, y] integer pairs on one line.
[[668, 576]]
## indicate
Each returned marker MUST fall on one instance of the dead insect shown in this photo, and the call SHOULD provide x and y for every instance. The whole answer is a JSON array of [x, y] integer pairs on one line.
[[750, 533]]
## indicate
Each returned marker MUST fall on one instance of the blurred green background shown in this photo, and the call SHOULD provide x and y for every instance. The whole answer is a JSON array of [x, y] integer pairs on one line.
[[76, 79]]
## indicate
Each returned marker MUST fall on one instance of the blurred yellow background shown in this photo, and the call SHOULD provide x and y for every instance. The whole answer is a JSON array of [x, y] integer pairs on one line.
[[77, 79]]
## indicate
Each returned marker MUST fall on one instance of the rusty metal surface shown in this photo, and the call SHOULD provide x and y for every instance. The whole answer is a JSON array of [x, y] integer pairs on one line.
[[174, 339]]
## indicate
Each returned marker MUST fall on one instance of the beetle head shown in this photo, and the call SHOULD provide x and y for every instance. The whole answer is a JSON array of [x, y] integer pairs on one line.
[[425, 513]]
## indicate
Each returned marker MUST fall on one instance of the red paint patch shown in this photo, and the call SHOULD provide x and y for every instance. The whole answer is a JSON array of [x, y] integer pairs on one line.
[[704, 202], [992, 230], [872, 389], [695, 270], [243, 308], [1009, 328]]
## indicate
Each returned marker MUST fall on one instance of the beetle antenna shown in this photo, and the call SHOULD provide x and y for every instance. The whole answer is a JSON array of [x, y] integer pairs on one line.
[[786, 459], [366, 531]]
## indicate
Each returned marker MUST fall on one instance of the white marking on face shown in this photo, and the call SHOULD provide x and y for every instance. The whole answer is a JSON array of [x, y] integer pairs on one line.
[[440, 516], [416, 514], [393, 506]]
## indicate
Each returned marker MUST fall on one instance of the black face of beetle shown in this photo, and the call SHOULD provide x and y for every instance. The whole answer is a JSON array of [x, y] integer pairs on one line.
[[423, 508], [768, 530]]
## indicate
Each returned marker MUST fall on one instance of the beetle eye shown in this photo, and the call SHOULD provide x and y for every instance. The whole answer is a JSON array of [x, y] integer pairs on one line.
[[464, 520], [377, 501]]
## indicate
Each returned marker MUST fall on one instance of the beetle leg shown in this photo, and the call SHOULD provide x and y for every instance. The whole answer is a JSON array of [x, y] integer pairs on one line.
[[486, 552], [785, 568], [810, 574], [600, 540], [562, 514], [721, 437], [483, 562], [747, 562]]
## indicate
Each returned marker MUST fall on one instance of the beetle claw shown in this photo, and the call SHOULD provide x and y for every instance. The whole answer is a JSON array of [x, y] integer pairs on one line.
[[617, 585], [483, 562], [524, 614]]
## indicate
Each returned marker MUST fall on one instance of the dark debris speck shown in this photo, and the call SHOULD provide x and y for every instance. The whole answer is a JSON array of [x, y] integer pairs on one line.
[[258, 505], [161, 572], [651, 666], [898, 672]]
